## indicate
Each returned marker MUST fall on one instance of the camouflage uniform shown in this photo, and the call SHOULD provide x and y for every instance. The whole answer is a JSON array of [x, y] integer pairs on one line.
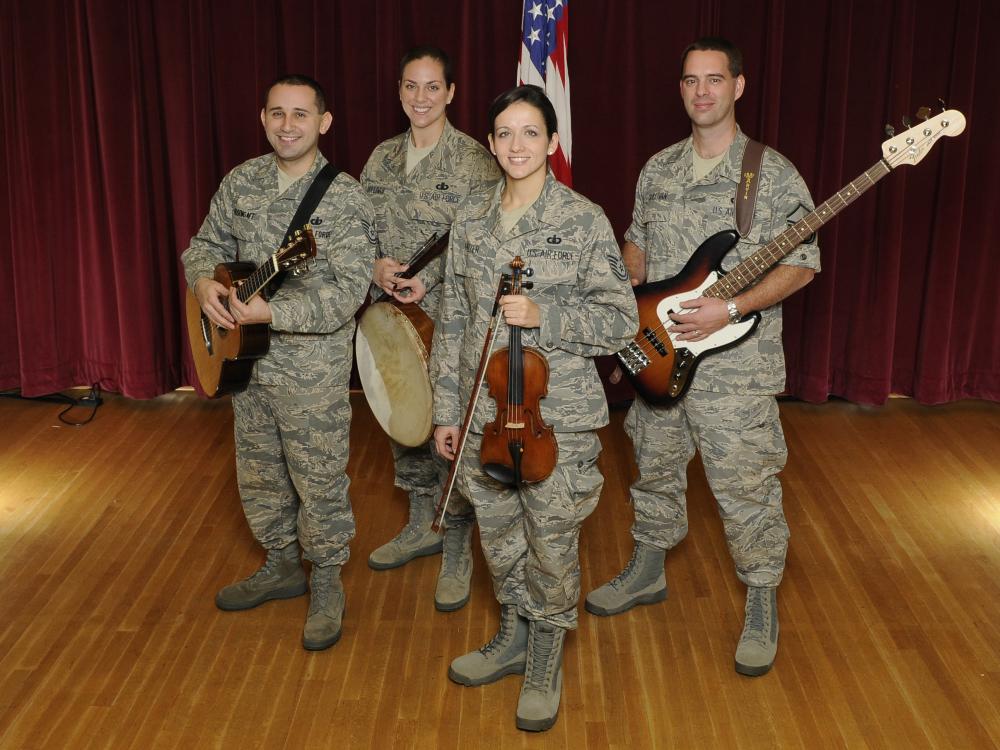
[[530, 536], [291, 423], [409, 208], [729, 412]]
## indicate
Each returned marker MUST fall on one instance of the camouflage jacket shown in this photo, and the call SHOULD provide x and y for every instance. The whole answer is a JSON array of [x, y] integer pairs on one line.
[[673, 215], [409, 208], [579, 283], [313, 313]]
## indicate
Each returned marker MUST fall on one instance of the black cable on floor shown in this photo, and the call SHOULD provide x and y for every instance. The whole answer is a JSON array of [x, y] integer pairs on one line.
[[92, 399]]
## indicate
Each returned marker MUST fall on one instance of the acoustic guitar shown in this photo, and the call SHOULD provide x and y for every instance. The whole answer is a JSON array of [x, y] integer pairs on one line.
[[224, 358], [660, 368]]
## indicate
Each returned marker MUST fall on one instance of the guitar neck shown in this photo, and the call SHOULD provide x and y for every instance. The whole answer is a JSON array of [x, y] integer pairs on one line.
[[751, 269], [254, 283]]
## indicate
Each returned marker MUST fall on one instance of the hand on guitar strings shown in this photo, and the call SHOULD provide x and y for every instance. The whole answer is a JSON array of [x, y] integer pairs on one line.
[[211, 295], [707, 315]]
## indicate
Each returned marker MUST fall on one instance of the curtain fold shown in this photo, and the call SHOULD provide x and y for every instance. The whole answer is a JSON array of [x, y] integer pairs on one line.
[[120, 118]]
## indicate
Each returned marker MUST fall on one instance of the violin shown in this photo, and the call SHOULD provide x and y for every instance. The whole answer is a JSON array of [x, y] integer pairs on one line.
[[518, 447]]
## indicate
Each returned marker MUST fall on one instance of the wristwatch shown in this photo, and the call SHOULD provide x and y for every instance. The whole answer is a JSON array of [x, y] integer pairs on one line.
[[734, 313]]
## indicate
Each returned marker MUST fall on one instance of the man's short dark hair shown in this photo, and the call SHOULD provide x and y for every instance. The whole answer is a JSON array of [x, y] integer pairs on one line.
[[529, 94], [434, 53], [297, 79], [716, 44]]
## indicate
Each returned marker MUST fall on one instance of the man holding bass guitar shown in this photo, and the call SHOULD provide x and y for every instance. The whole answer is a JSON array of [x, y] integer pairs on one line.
[[293, 418], [416, 181], [685, 194]]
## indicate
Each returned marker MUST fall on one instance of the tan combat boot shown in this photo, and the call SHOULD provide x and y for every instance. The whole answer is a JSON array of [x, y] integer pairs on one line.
[[504, 654], [759, 641], [538, 706], [642, 582], [280, 577], [326, 608], [415, 540], [455, 578]]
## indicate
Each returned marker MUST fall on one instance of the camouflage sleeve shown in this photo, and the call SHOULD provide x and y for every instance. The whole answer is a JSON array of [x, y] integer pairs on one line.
[[453, 317], [792, 201], [603, 319], [487, 171], [636, 233], [214, 242], [432, 274], [325, 298]]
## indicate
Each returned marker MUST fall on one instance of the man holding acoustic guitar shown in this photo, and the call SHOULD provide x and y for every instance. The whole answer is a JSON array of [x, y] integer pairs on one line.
[[293, 417], [686, 193]]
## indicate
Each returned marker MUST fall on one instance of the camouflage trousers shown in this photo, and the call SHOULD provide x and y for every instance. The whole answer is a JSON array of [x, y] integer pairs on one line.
[[743, 450], [291, 466], [530, 536], [421, 473]]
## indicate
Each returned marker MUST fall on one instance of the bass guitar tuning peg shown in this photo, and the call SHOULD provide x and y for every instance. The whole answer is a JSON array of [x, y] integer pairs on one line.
[[944, 106], [907, 122], [924, 113], [890, 130]]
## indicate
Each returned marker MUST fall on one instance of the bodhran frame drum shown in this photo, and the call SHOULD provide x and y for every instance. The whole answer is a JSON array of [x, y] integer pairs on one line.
[[392, 350]]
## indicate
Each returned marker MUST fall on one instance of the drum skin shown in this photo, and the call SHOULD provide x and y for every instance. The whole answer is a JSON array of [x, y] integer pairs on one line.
[[392, 349]]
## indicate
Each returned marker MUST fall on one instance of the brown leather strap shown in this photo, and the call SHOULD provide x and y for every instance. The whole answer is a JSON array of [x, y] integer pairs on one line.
[[746, 190]]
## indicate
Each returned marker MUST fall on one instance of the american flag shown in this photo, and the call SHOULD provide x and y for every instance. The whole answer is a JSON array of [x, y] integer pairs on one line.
[[544, 42]]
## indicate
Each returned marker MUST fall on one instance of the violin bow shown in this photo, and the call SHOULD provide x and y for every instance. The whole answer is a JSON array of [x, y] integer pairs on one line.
[[449, 485]]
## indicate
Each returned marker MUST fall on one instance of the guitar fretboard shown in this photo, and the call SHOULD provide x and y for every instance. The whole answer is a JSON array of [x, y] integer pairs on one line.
[[256, 281], [751, 269]]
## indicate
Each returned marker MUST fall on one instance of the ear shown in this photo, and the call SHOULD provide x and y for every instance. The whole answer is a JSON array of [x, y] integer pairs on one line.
[[553, 143], [451, 93], [263, 118], [490, 139], [741, 82], [325, 122]]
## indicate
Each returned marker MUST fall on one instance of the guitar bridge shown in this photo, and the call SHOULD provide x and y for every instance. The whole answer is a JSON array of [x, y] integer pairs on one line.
[[633, 358]]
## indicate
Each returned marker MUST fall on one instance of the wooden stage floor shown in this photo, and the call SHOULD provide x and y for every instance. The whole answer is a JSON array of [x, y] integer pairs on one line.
[[114, 538]]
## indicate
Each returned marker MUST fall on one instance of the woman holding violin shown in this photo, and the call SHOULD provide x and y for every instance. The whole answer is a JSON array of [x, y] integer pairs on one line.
[[571, 302]]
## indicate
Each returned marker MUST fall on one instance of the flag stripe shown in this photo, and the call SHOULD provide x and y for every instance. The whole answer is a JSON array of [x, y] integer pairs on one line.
[[544, 45]]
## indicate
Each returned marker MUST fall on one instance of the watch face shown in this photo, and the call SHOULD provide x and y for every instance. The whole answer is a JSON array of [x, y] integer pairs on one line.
[[734, 313]]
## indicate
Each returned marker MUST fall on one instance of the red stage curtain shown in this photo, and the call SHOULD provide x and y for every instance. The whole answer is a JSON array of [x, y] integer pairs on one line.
[[120, 118]]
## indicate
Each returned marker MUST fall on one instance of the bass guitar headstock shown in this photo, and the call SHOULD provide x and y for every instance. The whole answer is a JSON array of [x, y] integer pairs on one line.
[[913, 144]]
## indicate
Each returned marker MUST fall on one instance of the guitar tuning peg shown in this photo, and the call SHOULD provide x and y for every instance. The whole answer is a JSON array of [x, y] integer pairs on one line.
[[890, 130], [907, 122], [924, 113], [943, 105]]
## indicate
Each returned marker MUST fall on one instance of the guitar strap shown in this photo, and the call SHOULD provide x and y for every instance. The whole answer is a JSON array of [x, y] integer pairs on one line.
[[313, 196], [746, 190]]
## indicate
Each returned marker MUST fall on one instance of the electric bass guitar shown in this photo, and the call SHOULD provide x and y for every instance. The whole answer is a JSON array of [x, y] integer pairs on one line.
[[224, 358], [660, 368]]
